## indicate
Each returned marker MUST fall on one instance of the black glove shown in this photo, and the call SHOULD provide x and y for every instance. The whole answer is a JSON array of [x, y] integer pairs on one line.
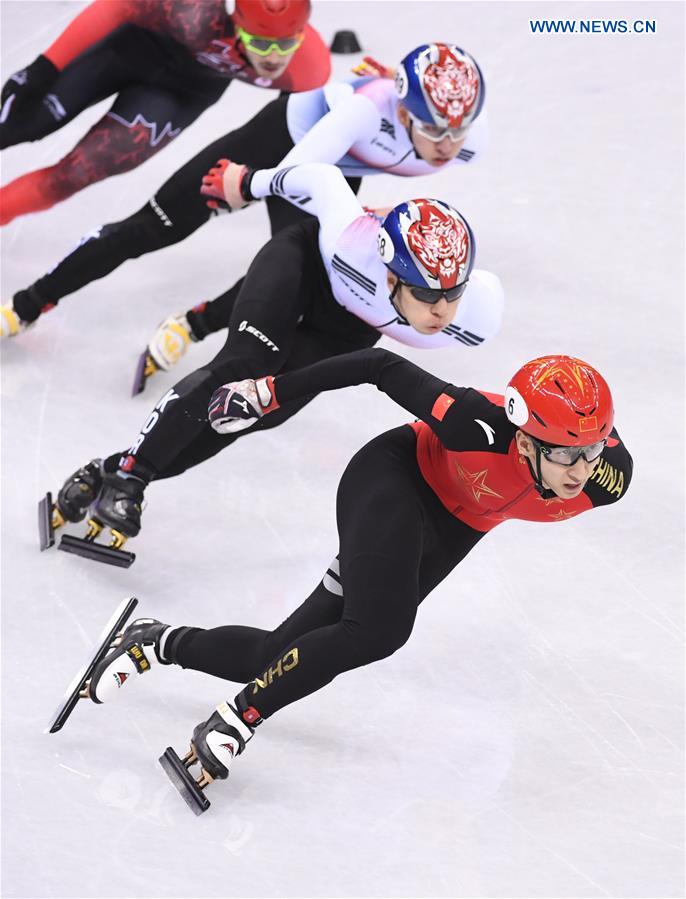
[[238, 405], [30, 84]]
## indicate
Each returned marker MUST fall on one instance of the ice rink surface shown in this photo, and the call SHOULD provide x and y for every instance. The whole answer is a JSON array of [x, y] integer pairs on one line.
[[527, 741]]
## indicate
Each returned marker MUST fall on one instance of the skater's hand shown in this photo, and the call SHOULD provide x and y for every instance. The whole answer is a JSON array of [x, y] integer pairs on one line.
[[27, 85], [227, 183], [370, 67], [379, 212], [238, 405]]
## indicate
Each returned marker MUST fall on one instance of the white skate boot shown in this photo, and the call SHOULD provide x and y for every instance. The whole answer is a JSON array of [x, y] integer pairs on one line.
[[10, 323], [214, 746], [167, 346], [135, 651]]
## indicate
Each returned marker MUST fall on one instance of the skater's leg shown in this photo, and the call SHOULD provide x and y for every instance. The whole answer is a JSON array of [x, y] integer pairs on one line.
[[212, 316], [273, 298], [238, 653], [141, 122], [262, 330], [93, 76], [309, 347], [171, 215], [382, 521], [174, 212], [394, 546]]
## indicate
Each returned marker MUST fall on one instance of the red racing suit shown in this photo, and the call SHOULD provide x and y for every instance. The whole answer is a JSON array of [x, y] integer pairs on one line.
[[466, 449]]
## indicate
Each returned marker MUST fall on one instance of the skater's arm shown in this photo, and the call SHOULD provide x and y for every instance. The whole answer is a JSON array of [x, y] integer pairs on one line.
[[327, 194], [425, 396], [96, 21], [612, 477], [456, 415], [354, 118], [240, 404]]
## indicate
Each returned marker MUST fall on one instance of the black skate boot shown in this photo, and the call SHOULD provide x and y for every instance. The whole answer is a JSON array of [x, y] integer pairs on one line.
[[118, 506], [73, 500], [214, 745]]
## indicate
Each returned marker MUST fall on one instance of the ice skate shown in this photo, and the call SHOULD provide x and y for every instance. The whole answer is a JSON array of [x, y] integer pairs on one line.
[[135, 650], [75, 496], [118, 506], [167, 346], [10, 323], [110, 638], [214, 745]]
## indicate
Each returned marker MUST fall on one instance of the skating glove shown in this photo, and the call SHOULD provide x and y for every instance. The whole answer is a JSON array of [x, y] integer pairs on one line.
[[370, 67], [27, 85], [228, 185], [238, 405]]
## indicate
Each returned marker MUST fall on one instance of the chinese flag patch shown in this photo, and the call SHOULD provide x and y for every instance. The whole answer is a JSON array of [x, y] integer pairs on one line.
[[441, 406]]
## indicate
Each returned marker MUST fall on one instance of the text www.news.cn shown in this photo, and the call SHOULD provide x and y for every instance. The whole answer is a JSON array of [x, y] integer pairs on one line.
[[592, 26]]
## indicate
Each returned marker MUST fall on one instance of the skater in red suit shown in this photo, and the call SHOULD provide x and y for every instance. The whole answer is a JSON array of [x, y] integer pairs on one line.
[[411, 505], [166, 61]]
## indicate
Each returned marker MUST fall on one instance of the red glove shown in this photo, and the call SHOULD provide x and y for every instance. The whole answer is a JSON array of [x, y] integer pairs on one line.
[[228, 184], [369, 66]]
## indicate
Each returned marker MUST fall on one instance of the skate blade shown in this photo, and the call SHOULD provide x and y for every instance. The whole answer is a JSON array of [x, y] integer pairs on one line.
[[184, 782], [46, 531], [145, 368], [97, 552], [73, 691]]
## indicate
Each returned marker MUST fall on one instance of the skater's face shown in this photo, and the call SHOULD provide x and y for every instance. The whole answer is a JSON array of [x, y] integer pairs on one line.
[[436, 153], [427, 318], [269, 56], [566, 481]]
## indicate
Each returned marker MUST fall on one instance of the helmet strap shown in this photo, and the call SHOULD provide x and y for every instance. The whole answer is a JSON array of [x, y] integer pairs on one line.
[[392, 295], [544, 492], [409, 129]]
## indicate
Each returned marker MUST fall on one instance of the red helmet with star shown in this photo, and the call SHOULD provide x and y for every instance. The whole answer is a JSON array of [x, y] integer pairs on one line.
[[561, 401], [271, 18]]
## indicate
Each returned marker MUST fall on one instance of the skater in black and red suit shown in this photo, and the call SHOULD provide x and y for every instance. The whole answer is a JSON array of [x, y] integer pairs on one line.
[[167, 61], [411, 505]]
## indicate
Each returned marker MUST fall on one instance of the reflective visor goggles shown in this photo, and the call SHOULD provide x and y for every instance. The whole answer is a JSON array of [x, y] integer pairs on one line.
[[569, 455], [427, 295], [263, 46], [435, 133]]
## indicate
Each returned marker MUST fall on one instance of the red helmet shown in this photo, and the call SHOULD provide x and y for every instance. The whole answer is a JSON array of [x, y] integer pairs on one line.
[[561, 401], [271, 18]]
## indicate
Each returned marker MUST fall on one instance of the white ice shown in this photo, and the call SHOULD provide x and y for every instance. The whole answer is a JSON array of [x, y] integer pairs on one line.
[[527, 741]]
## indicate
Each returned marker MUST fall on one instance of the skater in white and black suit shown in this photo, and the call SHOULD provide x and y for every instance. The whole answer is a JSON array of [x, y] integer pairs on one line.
[[431, 117], [318, 289]]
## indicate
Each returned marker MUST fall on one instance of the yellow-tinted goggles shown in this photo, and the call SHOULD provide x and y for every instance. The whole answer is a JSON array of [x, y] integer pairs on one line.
[[263, 46]]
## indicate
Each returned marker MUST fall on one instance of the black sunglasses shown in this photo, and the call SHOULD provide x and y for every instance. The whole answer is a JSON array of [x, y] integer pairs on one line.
[[569, 455], [427, 295]]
